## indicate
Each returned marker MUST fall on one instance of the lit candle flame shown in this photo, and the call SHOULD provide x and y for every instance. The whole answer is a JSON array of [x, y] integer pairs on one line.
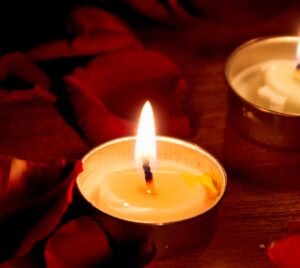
[[145, 147]]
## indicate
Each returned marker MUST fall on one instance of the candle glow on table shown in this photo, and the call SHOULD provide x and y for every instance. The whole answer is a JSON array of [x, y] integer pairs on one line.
[[181, 189], [274, 84]]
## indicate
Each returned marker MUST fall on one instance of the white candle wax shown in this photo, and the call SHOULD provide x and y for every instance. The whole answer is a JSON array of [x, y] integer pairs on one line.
[[181, 192], [273, 85]]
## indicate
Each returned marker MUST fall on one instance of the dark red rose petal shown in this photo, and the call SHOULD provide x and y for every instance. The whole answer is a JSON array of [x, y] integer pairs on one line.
[[108, 95], [51, 218], [18, 65], [83, 45], [24, 183], [24, 262], [88, 19], [169, 12], [153, 9], [96, 122], [30, 94], [79, 243], [285, 253], [33, 198], [94, 31]]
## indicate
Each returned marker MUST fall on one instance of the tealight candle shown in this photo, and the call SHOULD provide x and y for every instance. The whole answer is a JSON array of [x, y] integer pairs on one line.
[[148, 193], [264, 82], [177, 190], [273, 84]]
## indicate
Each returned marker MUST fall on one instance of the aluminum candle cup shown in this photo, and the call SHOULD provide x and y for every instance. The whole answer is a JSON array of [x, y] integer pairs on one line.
[[142, 224], [264, 100]]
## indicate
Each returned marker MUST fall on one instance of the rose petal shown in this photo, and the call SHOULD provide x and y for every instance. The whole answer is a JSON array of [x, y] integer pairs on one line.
[[108, 95], [152, 8], [169, 12], [97, 123], [24, 183], [30, 94], [87, 19], [33, 198], [24, 262], [17, 64], [51, 218], [95, 31], [285, 252], [83, 45], [79, 243]]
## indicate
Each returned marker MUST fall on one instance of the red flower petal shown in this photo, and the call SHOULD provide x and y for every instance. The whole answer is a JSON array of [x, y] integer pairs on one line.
[[108, 95], [24, 262], [96, 31], [17, 64], [29, 94], [33, 198], [285, 253], [47, 223], [83, 45], [153, 9], [169, 12], [79, 243], [97, 123], [88, 19]]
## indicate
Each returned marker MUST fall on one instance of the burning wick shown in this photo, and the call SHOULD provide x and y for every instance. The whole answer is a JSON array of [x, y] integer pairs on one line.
[[148, 177], [147, 171]]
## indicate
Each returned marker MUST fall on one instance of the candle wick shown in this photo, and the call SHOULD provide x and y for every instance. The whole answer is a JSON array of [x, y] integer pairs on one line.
[[147, 171]]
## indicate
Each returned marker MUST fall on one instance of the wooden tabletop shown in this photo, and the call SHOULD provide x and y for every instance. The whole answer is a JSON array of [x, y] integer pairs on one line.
[[262, 198]]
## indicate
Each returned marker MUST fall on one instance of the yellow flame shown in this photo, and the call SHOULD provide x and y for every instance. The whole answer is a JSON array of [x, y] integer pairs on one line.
[[145, 141]]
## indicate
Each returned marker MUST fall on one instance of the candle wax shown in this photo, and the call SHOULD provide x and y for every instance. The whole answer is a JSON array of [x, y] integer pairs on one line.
[[273, 85], [181, 193]]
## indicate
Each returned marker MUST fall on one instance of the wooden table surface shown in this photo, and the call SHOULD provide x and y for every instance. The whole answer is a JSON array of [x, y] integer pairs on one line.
[[263, 195]]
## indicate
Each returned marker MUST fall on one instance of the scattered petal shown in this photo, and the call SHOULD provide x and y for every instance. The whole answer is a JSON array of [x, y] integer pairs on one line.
[[285, 252], [23, 262], [153, 9], [83, 45], [51, 218], [88, 19], [168, 12], [18, 65], [33, 198], [79, 243], [30, 94], [94, 31], [107, 95]]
